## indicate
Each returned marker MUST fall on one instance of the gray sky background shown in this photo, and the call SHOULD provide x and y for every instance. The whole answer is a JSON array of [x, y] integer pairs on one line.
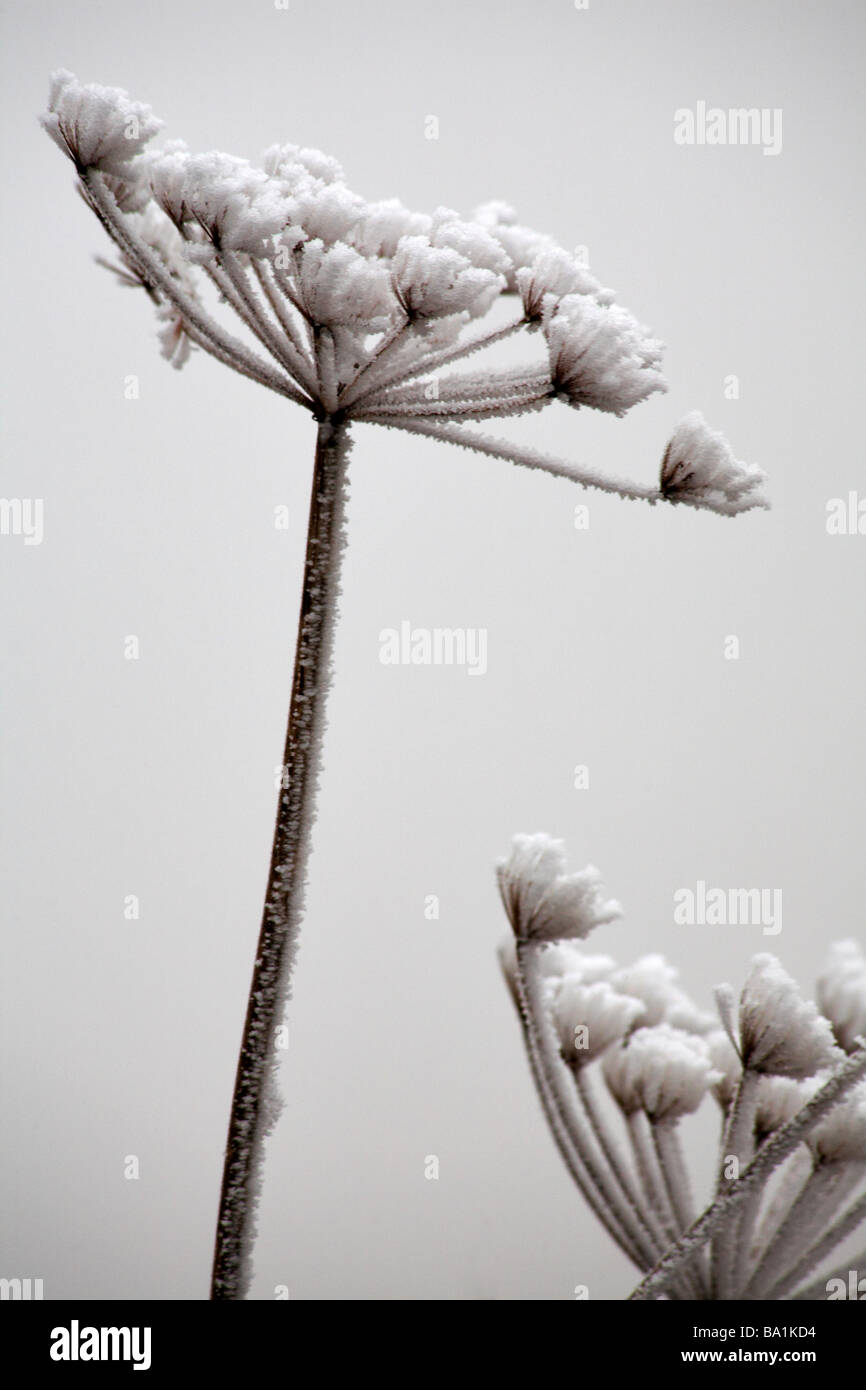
[[605, 646]]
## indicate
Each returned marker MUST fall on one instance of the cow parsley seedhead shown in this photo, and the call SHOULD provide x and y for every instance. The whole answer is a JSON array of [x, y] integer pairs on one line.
[[841, 992], [777, 1101], [780, 1033], [699, 466], [589, 1017], [841, 1138], [652, 980], [97, 127], [599, 355], [544, 903], [566, 960], [662, 1071], [784, 1088], [356, 305]]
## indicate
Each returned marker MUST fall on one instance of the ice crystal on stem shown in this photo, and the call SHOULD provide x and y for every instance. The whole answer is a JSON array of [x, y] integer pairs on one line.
[[794, 1111], [352, 309]]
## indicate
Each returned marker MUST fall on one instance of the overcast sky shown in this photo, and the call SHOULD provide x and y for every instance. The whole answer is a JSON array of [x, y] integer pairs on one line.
[[606, 646]]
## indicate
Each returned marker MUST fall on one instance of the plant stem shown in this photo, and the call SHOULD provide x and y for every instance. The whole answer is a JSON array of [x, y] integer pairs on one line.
[[252, 1111], [618, 1164], [821, 1249], [206, 333], [544, 1061], [431, 361], [738, 1144], [796, 1173], [821, 1196], [783, 1142]]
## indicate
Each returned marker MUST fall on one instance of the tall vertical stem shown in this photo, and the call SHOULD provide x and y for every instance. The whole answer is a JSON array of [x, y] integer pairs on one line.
[[253, 1109]]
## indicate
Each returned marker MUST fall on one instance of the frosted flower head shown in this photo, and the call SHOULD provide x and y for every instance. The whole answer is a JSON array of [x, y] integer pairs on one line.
[[97, 127], [327, 212], [301, 166], [778, 1100], [449, 230], [340, 286], [600, 356], [841, 1138], [238, 206], [780, 1033], [434, 281], [542, 902], [698, 464], [552, 275], [842, 992], [522, 245], [589, 1017], [567, 960], [291, 249], [651, 980], [379, 230], [660, 1070], [682, 1013]]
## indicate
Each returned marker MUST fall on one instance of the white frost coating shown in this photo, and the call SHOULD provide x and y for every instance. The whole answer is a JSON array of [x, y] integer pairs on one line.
[[599, 355], [660, 1056], [434, 281], [841, 992], [337, 285], [660, 1070], [698, 464], [780, 1033], [777, 1101], [235, 203], [589, 1017], [651, 980], [551, 276], [842, 1136], [97, 127], [566, 959], [544, 903], [352, 298]]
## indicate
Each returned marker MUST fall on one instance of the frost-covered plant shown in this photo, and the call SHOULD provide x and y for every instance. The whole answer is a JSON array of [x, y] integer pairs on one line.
[[793, 1106], [355, 311]]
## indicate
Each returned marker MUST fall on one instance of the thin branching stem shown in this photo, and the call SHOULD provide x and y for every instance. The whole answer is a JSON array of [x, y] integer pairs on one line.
[[380, 354], [432, 361], [560, 1117], [256, 319], [769, 1156], [304, 369], [738, 1147], [154, 273], [826, 1189], [617, 1162]]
